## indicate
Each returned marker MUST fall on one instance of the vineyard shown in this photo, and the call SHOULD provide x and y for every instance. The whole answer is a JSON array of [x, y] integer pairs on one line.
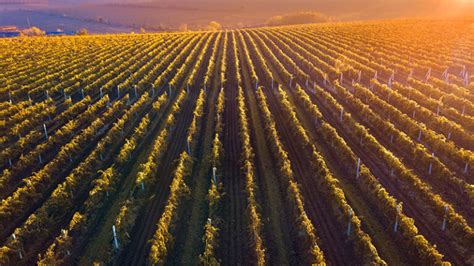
[[338, 144]]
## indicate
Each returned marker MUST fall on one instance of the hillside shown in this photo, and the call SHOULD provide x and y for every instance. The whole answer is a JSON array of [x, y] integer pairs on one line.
[[348, 143]]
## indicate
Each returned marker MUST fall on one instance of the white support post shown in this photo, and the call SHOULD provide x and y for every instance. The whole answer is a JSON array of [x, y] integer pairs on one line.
[[10, 98], [463, 70], [40, 159], [116, 243], [358, 168], [101, 157], [445, 73], [437, 110], [118, 92], [10, 162], [376, 75], [414, 113], [351, 213], [135, 90], [20, 255], [411, 73], [100, 93], [169, 90], [466, 79], [399, 210], [463, 110], [214, 169], [449, 135], [419, 135], [189, 148], [445, 218], [391, 138], [47, 95], [428, 74], [466, 166], [430, 168], [29, 97], [142, 185], [45, 131], [359, 76], [341, 78], [392, 172]]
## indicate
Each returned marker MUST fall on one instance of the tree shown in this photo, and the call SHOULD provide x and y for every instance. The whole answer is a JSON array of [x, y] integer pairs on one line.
[[83, 31], [214, 25], [183, 27], [33, 31]]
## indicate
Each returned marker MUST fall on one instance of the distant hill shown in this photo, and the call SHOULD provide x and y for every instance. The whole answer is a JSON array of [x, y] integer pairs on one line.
[[158, 15]]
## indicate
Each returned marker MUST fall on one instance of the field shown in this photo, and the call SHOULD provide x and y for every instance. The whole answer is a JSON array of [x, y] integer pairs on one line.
[[338, 144]]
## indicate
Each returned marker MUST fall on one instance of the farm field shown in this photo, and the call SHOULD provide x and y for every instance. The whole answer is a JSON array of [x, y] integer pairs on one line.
[[332, 144]]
